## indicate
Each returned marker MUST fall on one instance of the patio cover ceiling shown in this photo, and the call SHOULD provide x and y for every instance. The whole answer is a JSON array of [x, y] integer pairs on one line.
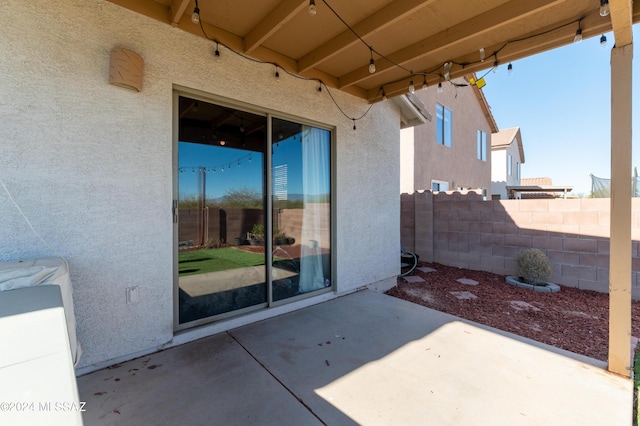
[[407, 36]]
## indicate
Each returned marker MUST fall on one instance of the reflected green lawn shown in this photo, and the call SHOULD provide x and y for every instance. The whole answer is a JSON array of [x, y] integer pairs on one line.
[[213, 260]]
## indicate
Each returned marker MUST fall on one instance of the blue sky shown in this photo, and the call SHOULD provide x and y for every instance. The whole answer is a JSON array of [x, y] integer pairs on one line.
[[561, 100]]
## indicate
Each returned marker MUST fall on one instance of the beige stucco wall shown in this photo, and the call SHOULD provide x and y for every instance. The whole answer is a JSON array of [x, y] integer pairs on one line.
[[90, 164], [458, 165]]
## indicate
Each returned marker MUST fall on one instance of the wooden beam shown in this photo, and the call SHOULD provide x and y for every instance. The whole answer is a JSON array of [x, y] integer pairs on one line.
[[177, 10], [149, 8], [381, 19], [279, 16], [593, 25], [622, 21], [472, 28], [620, 221]]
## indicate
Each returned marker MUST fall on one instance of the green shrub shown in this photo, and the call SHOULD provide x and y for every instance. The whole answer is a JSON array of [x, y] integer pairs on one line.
[[533, 266]]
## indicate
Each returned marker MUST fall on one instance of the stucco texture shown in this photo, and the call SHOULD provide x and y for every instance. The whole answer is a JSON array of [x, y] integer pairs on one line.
[[90, 164]]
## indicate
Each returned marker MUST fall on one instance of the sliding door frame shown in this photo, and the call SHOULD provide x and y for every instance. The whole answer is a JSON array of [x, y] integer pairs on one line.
[[268, 204]]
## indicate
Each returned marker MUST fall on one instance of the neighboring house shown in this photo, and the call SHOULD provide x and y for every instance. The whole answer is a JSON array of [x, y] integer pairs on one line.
[[451, 152], [540, 187], [507, 155]]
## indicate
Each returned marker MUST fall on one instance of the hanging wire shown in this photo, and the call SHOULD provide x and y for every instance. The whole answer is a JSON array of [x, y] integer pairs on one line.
[[410, 73]]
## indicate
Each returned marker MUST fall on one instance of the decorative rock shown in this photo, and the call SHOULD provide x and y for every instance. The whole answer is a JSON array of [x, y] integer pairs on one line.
[[467, 281], [545, 288], [520, 305], [463, 295], [413, 279]]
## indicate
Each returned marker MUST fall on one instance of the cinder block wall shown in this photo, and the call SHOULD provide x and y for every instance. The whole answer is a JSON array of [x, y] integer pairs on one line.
[[486, 235]]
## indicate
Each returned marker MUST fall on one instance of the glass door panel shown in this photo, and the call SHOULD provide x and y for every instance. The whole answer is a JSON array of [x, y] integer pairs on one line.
[[301, 197], [221, 220]]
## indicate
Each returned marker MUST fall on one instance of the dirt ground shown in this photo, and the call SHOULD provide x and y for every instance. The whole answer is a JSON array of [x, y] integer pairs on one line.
[[571, 319]]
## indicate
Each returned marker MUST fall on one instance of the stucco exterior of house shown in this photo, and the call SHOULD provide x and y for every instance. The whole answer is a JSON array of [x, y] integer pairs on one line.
[[89, 169], [507, 156], [436, 161]]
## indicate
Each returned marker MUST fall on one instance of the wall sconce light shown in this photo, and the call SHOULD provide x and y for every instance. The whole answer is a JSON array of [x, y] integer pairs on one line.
[[126, 69]]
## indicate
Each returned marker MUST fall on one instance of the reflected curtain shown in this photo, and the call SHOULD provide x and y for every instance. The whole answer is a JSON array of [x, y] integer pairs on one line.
[[315, 216]]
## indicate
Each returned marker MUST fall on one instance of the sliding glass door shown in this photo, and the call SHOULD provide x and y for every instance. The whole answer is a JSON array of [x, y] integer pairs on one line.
[[253, 224]]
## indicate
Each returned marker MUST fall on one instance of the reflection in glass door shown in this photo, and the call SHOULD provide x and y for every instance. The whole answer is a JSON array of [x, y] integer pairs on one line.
[[301, 197], [221, 204], [241, 244]]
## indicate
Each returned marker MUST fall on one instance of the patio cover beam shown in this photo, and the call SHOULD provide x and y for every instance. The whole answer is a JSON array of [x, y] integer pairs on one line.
[[620, 225], [272, 23], [473, 28], [385, 17]]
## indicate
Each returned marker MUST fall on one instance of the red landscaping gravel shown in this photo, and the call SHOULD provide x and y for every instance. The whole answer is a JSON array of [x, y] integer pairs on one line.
[[571, 319]]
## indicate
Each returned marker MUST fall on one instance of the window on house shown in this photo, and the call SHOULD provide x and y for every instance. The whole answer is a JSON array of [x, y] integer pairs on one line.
[[443, 125], [509, 163], [482, 145], [438, 185], [518, 171]]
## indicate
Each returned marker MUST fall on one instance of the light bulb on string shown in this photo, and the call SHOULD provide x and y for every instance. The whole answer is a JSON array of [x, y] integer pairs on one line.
[[372, 63], [578, 37], [277, 74], [216, 53], [604, 7], [440, 89], [603, 40], [447, 71], [495, 66], [195, 16], [424, 82], [384, 95], [509, 69], [482, 54], [354, 124], [312, 7], [412, 87]]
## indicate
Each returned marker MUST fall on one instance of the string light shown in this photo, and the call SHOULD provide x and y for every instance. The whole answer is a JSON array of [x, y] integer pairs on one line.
[[277, 74], [195, 17], [509, 69], [604, 7], [312, 7], [603, 40], [384, 95], [447, 70], [372, 63], [216, 54], [412, 87], [372, 66], [578, 37], [354, 123], [424, 83]]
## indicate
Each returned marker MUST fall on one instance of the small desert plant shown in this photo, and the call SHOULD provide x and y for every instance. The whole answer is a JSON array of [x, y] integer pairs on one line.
[[533, 266]]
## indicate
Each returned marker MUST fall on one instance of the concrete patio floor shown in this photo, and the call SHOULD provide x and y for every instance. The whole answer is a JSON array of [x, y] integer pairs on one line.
[[365, 358]]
